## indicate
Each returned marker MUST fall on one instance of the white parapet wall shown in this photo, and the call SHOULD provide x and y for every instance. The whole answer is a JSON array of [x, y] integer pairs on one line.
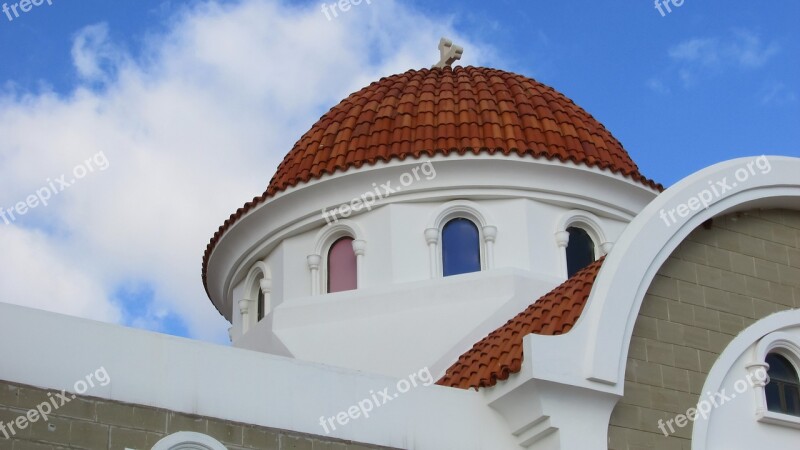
[[54, 351]]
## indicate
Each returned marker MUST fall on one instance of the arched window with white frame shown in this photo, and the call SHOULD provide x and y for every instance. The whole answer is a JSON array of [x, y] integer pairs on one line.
[[580, 250], [580, 237], [783, 389], [777, 358], [186, 440], [256, 304], [460, 239], [337, 262]]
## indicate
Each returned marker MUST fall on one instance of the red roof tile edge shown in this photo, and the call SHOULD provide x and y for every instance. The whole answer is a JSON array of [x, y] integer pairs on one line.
[[498, 355]]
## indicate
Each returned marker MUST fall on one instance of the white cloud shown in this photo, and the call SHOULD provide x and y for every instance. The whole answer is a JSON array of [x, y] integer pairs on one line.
[[776, 93], [93, 53], [748, 50], [192, 129], [36, 274], [656, 85], [703, 51], [744, 49], [699, 58]]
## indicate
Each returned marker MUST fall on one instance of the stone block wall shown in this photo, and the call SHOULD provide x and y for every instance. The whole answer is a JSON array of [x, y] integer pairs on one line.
[[718, 282], [98, 424]]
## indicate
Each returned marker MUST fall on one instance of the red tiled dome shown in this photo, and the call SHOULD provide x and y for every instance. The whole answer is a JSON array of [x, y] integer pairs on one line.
[[448, 111]]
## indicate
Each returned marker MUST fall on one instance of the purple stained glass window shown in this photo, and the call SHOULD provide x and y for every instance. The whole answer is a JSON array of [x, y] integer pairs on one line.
[[342, 275]]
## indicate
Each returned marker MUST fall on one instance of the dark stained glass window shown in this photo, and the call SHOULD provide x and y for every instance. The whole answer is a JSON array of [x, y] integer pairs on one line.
[[580, 250], [783, 389]]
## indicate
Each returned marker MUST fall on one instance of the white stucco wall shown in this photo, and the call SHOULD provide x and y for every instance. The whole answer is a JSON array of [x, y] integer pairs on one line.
[[734, 423], [524, 199], [53, 351]]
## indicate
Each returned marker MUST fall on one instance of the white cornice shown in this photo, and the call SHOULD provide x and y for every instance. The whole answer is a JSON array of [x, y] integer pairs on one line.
[[298, 209]]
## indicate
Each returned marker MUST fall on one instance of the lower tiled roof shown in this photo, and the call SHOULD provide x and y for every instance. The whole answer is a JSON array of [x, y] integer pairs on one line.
[[499, 354]]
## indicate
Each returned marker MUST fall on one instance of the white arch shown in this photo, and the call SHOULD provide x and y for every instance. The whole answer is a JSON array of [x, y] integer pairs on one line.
[[186, 440], [258, 280], [766, 333], [601, 338], [259, 270], [459, 208], [784, 343], [330, 233], [317, 261], [585, 221], [649, 240]]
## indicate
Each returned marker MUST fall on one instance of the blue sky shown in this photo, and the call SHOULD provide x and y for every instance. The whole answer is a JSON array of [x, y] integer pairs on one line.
[[196, 102]]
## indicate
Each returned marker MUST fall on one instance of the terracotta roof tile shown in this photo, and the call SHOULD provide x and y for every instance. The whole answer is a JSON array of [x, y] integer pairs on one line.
[[491, 111], [499, 354]]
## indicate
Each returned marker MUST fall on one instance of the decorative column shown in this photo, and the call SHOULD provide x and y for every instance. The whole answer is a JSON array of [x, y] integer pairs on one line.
[[244, 310], [562, 240], [606, 247], [432, 239], [266, 289], [359, 248], [489, 237], [313, 264], [758, 377]]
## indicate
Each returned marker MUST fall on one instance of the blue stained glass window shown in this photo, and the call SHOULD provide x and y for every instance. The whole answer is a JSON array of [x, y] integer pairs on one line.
[[461, 248]]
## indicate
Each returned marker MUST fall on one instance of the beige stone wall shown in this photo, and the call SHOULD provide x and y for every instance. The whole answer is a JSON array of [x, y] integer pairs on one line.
[[96, 424], [718, 282]]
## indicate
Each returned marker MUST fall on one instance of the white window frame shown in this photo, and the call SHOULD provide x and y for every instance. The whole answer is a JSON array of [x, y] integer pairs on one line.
[[258, 279], [459, 209], [318, 261], [589, 223], [187, 440], [788, 346]]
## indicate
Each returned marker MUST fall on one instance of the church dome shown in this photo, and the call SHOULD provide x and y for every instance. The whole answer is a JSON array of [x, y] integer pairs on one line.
[[450, 112]]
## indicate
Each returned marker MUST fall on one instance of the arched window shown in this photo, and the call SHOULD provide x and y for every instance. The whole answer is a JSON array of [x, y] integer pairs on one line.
[[461, 248], [255, 302], [186, 440], [783, 389], [342, 266], [580, 250], [261, 304]]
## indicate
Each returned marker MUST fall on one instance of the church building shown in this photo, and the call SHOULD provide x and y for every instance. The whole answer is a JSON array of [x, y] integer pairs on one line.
[[454, 258]]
